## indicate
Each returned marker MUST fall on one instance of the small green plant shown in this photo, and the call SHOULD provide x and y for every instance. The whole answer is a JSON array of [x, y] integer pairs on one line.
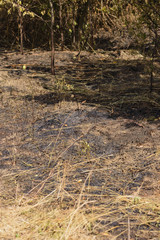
[[85, 148], [62, 85]]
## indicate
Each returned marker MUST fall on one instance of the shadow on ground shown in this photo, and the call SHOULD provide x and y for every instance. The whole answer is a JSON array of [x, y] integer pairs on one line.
[[122, 87]]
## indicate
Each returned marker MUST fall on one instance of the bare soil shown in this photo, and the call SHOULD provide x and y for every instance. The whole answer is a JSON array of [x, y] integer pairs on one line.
[[90, 134]]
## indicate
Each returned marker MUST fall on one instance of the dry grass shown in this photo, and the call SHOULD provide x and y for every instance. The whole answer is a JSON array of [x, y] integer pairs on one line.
[[112, 217], [77, 207]]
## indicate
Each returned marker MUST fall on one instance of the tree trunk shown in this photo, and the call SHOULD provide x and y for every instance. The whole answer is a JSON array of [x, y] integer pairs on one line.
[[73, 27], [52, 39], [60, 24], [91, 23], [154, 55], [21, 29]]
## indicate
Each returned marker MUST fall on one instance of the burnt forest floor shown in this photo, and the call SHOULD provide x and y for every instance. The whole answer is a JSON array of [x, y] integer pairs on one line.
[[79, 151]]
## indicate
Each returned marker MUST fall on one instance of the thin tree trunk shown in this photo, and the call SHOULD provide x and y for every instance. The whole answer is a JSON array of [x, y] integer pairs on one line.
[[91, 23], [60, 24], [21, 29], [73, 27], [154, 55], [52, 40], [102, 6]]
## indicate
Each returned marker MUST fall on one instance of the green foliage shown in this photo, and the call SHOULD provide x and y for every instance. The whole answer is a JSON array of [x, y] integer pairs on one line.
[[61, 85], [79, 21]]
